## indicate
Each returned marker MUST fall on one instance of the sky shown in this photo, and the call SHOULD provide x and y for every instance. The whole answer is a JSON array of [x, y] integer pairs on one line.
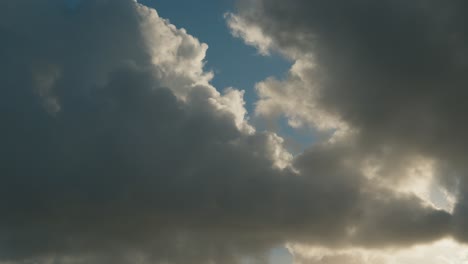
[[228, 57], [233, 132]]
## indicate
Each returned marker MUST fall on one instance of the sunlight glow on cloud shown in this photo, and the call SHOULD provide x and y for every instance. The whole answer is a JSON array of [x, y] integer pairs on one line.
[[444, 251], [250, 34]]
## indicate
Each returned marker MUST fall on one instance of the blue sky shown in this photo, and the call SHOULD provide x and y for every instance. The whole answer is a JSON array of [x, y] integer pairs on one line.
[[233, 63]]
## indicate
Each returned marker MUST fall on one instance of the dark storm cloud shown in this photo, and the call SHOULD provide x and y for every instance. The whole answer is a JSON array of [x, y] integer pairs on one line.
[[395, 71], [114, 150], [393, 68]]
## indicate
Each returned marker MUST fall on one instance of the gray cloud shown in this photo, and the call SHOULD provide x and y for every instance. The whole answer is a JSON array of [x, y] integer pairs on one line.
[[391, 71], [116, 148]]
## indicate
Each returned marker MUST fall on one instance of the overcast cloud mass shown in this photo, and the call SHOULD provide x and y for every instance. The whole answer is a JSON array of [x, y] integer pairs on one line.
[[117, 149]]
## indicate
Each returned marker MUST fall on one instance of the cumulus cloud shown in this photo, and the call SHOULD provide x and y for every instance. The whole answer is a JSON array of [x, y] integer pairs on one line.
[[391, 69], [251, 34], [117, 149], [386, 76]]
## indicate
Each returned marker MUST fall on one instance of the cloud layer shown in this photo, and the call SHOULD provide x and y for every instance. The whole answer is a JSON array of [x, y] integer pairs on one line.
[[385, 76], [116, 148]]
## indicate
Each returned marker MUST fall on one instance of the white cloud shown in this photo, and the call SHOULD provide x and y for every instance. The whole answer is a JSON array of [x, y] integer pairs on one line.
[[251, 34], [444, 251]]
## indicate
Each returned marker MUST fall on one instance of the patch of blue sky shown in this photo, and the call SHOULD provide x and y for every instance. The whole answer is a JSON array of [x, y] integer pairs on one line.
[[280, 256], [297, 139], [234, 63]]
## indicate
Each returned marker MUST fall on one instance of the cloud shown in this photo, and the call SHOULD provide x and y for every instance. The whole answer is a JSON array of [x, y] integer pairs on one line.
[[391, 69], [251, 34], [389, 74], [117, 149], [445, 251]]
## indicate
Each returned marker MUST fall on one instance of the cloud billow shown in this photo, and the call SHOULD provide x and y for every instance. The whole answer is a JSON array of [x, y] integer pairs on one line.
[[116, 149], [386, 77]]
